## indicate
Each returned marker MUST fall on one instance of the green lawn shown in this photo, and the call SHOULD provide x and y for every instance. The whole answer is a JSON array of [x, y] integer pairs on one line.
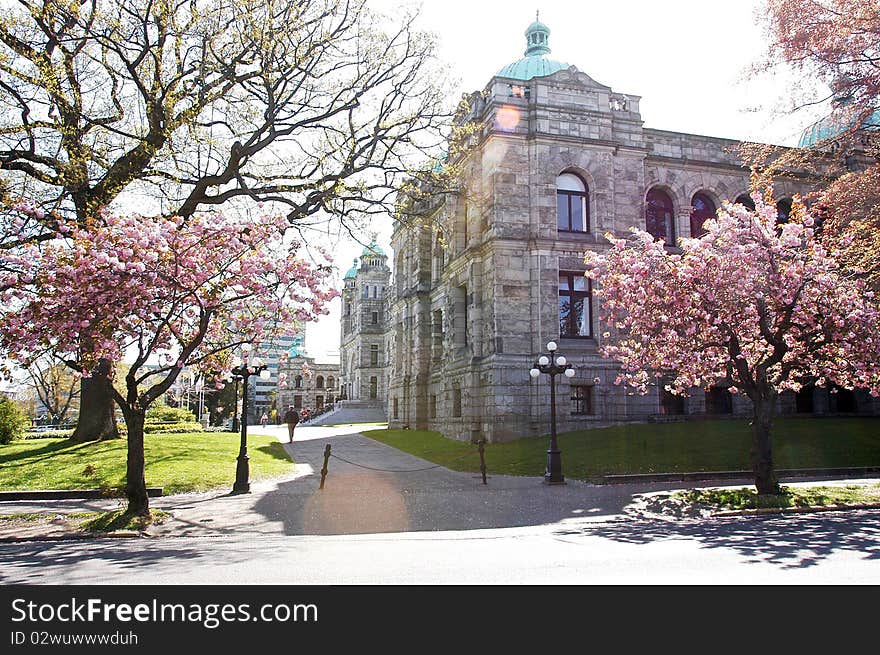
[[791, 496], [177, 462], [706, 445]]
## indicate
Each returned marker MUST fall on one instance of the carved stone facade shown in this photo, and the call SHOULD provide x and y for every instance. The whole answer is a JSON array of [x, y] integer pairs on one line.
[[478, 287]]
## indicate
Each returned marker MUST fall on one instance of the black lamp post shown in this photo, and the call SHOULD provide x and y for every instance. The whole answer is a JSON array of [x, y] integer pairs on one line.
[[553, 365], [243, 371], [235, 425]]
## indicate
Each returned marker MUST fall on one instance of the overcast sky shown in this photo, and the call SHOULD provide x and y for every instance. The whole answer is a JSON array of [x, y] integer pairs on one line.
[[686, 59]]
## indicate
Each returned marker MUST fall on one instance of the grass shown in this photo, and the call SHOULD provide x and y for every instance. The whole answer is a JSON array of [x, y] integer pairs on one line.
[[94, 522], [693, 446], [176, 462], [120, 520], [821, 496]]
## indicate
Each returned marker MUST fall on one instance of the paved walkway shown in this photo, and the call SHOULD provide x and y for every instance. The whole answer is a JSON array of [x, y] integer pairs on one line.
[[418, 496]]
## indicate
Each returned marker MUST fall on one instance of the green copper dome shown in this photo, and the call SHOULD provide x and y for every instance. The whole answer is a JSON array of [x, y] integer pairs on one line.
[[830, 126], [352, 272], [534, 64]]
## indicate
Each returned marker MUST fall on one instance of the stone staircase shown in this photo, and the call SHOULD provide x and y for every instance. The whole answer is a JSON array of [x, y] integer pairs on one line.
[[352, 411]]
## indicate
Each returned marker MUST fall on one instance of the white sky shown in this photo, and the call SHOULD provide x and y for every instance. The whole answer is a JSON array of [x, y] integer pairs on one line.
[[685, 58]]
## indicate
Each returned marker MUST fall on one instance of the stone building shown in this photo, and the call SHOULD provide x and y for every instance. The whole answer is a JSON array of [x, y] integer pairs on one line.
[[308, 384], [558, 160], [363, 355]]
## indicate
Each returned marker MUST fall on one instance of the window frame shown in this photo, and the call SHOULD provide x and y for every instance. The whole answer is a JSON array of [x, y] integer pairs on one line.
[[668, 236], [574, 294], [704, 198], [578, 400], [584, 197]]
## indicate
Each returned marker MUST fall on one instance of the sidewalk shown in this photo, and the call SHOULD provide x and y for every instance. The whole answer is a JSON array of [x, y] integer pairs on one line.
[[357, 498]]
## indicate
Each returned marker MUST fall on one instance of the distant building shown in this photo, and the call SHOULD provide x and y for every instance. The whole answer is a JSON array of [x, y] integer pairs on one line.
[[263, 392], [363, 353], [307, 384]]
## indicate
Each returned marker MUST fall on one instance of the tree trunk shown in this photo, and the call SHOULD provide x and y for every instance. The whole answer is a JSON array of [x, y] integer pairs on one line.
[[135, 485], [97, 420], [762, 453]]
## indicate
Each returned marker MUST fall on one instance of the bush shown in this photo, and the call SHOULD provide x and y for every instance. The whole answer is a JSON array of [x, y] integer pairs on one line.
[[172, 428], [12, 420], [160, 413], [49, 434]]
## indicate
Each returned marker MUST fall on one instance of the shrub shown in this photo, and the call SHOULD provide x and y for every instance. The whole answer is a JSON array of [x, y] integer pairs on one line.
[[49, 434], [160, 413], [172, 428], [12, 420]]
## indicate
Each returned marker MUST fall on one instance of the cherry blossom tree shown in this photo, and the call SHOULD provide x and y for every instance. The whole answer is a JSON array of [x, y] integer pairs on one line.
[[834, 45], [757, 307], [169, 292], [321, 108], [835, 41]]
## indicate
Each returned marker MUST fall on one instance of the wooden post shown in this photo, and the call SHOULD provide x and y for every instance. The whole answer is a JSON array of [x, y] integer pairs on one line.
[[482, 447], [326, 459]]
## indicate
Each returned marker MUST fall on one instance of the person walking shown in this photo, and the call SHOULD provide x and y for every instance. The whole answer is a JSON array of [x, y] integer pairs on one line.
[[291, 417]]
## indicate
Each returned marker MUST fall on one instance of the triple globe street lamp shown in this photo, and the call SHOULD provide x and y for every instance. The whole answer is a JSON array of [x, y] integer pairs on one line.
[[242, 369], [553, 365]]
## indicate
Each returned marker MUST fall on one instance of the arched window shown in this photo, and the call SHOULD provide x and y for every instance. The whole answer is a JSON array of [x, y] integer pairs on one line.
[[659, 216], [319, 382], [783, 211], [572, 204], [702, 209], [746, 201], [330, 382]]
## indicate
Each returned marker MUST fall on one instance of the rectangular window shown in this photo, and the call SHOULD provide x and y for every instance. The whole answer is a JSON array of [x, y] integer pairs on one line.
[[571, 211], [460, 317], [374, 355], [375, 288], [375, 318], [396, 408], [456, 402], [582, 399], [575, 305], [433, 405], [366, 291], [374, 387], [319, 402], [670, 404], [297, 402], [719, 401]]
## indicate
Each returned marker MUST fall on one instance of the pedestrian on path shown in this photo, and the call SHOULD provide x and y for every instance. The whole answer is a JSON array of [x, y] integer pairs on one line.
[[291, 417]]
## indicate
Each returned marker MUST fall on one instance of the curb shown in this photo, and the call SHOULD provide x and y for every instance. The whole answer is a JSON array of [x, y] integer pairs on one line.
[[734, 475], [792, 510], [75, 536], [72, 494]]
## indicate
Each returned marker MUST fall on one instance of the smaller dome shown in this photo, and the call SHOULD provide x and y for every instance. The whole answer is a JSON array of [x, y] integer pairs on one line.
[[373, 249], [352, 272], [533, 64], [537, 35]]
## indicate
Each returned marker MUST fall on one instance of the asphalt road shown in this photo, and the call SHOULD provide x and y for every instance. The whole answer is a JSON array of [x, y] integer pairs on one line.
[[821, 548], [420, 524]]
